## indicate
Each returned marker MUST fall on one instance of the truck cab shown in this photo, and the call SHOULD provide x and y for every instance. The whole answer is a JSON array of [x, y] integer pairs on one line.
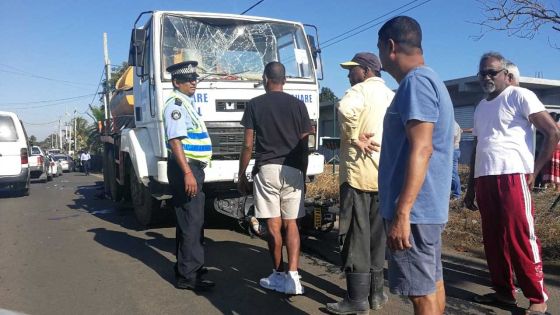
[[231, 51]]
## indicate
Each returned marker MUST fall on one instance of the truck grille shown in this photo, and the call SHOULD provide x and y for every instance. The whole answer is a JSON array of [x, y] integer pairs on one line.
[[227, 139], [230, 105]]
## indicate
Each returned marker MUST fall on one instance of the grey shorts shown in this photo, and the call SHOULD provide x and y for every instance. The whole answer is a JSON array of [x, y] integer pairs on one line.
[[415, 271], [278, 191]]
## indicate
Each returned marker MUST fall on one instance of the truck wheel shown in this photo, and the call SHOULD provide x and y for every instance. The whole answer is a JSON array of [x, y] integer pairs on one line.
[[105, 161], [114, 188], [146, 207]]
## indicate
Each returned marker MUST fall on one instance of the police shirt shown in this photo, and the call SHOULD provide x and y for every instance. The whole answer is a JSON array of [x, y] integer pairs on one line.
[[177, 119]]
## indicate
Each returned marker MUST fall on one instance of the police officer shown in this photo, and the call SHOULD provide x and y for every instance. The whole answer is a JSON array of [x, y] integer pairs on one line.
[[190, 152]]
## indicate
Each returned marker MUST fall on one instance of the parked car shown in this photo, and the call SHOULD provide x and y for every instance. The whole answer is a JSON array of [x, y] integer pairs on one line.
[[14, 154], [55, 167], [38, 164], [66, 161]]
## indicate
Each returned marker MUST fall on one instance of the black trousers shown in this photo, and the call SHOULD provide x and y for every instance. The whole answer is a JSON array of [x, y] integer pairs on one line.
[[361, 231], [190, 220]]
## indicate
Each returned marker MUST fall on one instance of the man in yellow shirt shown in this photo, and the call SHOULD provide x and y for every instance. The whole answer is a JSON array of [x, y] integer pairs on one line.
[[362, 234]]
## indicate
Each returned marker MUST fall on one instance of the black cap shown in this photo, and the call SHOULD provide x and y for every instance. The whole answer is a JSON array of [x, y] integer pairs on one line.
[[185, 69], [364, 59]]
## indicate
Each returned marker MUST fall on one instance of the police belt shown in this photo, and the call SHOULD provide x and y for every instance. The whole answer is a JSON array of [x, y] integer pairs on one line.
[[202, 165]]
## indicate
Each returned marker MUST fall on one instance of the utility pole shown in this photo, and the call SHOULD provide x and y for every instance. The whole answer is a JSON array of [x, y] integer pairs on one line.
[[75, 134], [69, 127], [59, 135], [107, 75]]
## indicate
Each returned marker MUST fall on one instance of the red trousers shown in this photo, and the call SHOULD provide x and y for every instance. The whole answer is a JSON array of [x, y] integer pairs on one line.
[[509, 236]]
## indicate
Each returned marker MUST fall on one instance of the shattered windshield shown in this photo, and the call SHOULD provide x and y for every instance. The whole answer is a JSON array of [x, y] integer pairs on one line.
[[229, 49]]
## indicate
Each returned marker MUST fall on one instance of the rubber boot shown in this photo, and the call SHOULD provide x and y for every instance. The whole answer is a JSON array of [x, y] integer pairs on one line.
[[355, 301], [376, 295]]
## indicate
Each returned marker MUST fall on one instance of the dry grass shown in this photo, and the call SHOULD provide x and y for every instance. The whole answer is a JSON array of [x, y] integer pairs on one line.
[[463, 231]]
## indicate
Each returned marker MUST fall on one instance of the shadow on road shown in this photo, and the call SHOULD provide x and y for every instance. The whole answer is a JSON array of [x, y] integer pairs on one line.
[[239, 266], [234, 266]]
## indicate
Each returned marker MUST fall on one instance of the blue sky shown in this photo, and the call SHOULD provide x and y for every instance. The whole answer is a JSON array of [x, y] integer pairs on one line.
[[62, 40]]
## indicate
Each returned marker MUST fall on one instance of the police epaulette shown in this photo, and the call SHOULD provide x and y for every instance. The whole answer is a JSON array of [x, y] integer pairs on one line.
[[178, 102]]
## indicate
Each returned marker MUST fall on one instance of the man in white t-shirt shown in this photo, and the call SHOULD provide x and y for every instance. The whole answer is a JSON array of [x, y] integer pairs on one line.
[[84, 158], [502, 173]]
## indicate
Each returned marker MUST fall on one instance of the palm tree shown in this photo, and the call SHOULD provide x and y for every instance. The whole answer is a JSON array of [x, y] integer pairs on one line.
[[93, 138]]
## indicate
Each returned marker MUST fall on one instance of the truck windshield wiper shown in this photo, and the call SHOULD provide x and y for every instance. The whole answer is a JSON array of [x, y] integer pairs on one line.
[[227, 75]]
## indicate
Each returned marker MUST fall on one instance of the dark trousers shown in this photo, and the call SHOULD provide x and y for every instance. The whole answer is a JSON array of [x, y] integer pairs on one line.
[[361, 230], [190, 220], [85, 165], [455, 179]]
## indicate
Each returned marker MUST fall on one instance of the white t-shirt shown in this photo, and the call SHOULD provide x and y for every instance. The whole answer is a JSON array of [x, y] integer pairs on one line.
[[504, 133], [85, 157]]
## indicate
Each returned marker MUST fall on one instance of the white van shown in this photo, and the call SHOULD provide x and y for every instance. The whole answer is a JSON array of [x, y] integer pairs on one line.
[[14, 154]]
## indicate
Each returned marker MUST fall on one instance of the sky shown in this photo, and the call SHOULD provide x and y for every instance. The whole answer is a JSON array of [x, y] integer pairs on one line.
[[53, 49]]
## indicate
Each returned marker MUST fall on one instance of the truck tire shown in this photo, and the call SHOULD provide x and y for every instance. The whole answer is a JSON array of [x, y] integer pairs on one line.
[[146, 207], [114, 188], [106, 189]]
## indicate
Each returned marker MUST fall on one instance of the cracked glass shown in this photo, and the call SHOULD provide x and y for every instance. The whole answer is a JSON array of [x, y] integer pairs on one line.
[[229, 49]]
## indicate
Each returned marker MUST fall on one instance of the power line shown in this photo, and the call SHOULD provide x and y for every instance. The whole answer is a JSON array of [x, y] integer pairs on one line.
[[250, 8], [96, 91], [42, 106], [376, 24], [29, 74], [39, 124], [46, 101], [368, 22]]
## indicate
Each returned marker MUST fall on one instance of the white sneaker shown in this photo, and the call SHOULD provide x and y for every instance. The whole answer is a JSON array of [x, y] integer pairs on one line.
[[275, 281], [293, 285]]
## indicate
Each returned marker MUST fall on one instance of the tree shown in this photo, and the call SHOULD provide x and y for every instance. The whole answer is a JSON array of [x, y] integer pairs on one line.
[[49, 141], [521, 18], [327, 95], [32, 140], [116, 73], [93, 136], [82, 132]]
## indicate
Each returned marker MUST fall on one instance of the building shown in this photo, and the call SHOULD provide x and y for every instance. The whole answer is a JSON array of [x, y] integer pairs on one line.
[[465, 94]]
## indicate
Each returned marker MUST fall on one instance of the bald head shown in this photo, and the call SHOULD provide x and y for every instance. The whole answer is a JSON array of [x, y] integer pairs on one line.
[[275, 73]]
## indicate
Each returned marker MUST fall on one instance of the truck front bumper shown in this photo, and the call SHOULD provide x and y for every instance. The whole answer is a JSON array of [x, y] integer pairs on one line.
[[226, 171]]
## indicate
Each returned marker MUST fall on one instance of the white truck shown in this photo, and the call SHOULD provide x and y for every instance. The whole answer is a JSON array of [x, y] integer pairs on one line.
[[231, 51]]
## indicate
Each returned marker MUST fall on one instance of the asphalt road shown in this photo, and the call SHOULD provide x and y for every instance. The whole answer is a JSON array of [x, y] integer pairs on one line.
[[65, 250]]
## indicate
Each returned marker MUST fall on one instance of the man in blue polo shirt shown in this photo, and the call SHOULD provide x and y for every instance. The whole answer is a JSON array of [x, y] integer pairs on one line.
[[415, 167]]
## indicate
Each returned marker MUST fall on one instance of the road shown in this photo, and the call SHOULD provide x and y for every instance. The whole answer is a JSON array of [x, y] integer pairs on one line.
[[65, 250]]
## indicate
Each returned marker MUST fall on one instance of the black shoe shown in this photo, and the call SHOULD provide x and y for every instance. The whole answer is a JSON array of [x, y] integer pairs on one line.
[[197, 284], [201, 271]]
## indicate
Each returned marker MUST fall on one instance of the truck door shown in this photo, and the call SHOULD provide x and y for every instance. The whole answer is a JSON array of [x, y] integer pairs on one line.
[[141, 58]]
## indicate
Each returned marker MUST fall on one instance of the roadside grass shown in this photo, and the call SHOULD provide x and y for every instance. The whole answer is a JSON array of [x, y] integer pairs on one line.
[[463, 231]]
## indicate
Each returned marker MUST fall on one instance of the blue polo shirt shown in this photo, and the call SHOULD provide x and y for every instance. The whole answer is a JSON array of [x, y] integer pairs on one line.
[[421, 96]]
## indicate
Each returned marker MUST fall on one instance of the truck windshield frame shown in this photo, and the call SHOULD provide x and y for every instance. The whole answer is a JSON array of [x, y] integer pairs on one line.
[[233, 49]]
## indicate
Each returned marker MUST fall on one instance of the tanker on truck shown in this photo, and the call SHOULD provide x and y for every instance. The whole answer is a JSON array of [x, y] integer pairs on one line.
[[231, 51]]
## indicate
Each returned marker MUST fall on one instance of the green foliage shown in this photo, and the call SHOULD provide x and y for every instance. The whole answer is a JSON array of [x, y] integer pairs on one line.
[[33, 140], [97, 113], [116, 72], [327, 95]]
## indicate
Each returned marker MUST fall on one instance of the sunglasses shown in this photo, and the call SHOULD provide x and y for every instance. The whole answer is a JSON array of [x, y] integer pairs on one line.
[[491, 73]]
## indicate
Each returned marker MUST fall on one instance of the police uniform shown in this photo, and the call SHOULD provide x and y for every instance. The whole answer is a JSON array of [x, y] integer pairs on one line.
[[182, 122]]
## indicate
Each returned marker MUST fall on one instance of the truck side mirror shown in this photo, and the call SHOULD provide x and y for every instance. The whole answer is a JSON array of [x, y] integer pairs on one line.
[[137, 44], [315, 50], [311, 40]]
